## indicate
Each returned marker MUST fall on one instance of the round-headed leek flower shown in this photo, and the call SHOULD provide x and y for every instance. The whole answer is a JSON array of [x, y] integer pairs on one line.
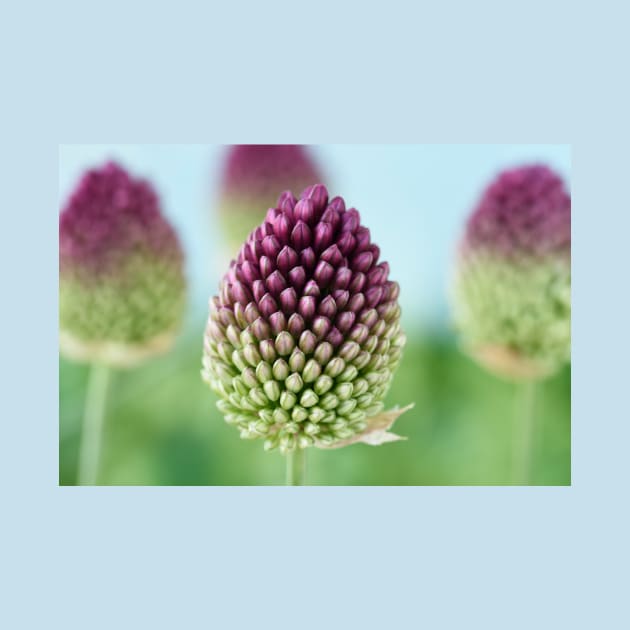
[[121, 281], [304, 337], [512, 293], [252, 176]]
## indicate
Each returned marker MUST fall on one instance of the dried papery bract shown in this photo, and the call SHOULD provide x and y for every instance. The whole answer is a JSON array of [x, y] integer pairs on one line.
[[512, 286], [304, 336], [251, 178], [121, 284]]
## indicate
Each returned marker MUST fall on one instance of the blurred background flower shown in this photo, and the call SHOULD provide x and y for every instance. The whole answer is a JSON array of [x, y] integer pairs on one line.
[[164, 427], [512, 296], [512, 289], [253, 175], [121, 280], [121, 288]]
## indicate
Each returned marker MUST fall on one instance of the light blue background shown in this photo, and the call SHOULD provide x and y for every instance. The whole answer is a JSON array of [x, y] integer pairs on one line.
[[414, 199], [436, 558]]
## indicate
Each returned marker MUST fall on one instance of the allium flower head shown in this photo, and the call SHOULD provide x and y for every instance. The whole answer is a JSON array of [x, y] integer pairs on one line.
[[304, 336], [512, 295], [253, 174], [121, 282]]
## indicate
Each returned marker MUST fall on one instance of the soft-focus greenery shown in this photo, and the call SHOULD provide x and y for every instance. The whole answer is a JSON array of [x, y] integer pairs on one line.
[[162, 428]]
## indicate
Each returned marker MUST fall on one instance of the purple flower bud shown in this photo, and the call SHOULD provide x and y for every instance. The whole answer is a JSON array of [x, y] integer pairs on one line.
[[282, 227], [319, 197], [276, 283], [286, 202], [266, 266], [301, 236], [323, 236], [337, 204], [373, 296], [240, 293], [321, 326], [335, 337], [362, 262], [350, 221], [393, 291], [341, 298], [297, 277], [251, 312], [323, 274], [261, 329], [287, 259], [343, 276], [259, 290], [362, 239], [278, 323], [271, 246], [376, 251], [304, 211], [253, 250], [307, 306], [308, 258], [357, 283], [346, 243], [332, 216], [296, 325], [345, 320], [272, 215], [356, 303], [307, 299], [333, 256], [288, 300], [378, 274], [250, 272], [328, 307], [267, 305], [312, 288]]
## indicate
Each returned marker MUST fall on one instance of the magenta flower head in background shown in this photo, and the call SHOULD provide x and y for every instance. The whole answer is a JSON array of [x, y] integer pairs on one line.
[[252, 176], [121, 287], [121, 280], [304, 336], [513, 278]]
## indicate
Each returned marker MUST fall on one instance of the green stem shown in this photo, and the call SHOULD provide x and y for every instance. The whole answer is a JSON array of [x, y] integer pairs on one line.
[[524, 431], [92, 431], [296, 467]]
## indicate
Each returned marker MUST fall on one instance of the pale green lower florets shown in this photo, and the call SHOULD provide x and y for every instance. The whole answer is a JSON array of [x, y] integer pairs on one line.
[[121, 317], [512, 312], [296, 393]]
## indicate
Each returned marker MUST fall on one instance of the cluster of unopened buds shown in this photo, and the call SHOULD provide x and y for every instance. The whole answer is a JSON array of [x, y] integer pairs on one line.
[[304, 336]]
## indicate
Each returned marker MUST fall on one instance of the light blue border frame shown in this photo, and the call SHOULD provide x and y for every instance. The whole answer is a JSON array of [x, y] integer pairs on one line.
[[315, 557]]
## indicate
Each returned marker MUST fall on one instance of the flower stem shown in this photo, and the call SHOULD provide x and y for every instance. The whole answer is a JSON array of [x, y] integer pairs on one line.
[[94, 414], [524, 431], [296, 467]]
